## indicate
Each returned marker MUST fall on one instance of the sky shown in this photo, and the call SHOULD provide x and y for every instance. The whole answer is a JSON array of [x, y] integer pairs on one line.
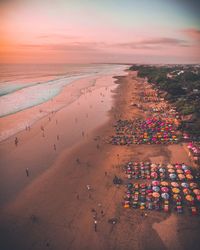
[[99, 31]]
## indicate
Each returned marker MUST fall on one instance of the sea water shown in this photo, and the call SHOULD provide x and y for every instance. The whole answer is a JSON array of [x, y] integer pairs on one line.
[[25, 86]]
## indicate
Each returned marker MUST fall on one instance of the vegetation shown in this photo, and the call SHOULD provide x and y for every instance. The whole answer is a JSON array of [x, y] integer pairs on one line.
[[181, 86]]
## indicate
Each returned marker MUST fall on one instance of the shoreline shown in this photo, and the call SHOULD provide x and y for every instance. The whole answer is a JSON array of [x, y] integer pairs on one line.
[[55, 211]]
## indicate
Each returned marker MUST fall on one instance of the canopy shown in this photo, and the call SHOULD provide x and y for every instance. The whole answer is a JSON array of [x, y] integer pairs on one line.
[[189, 197], [176, 190], [165, 196]]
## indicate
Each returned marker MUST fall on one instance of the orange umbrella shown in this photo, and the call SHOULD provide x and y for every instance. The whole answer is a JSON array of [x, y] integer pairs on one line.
[[189, 197], [164, 184], [156, 194], [189, 176], [176, 190]]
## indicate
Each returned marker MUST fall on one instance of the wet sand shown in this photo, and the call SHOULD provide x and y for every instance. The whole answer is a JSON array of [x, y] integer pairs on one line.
[[55, 209]]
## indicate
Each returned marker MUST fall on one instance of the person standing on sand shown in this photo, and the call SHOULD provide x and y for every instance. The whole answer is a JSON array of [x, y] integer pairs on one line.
[[27, 172], [54, 146], [16, 141], [95, 225]]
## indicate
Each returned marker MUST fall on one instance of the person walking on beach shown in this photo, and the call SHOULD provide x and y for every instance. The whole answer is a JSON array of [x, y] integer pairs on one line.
[[54, 146], [95, 225], [27, 172], [16, 141]]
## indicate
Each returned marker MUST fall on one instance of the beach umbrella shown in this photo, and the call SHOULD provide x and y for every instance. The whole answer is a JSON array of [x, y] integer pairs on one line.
[[198, 197], [162, 170], [171, 170], [149, 191], [179, 171], [155, 183], [174, 184], [186, 191], [193, 185], [187, 171], [177, 197], [142, 185], [169, 166], [165, 189], [181, 176], [156, 188], [172, 176], [154, 175], [189, 176], [189, 197], [165, 196], [196, 191], [156, 194], [164, 184], [184, 167], [184, 185], [178, 166], [176, 190]]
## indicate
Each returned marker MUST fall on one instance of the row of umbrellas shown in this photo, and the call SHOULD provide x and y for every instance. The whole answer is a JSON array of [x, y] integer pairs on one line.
[[158, 171]]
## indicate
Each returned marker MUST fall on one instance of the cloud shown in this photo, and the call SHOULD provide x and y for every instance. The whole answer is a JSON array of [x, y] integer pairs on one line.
[[64, 47], [57, 36], [192, 33], [156, 43]]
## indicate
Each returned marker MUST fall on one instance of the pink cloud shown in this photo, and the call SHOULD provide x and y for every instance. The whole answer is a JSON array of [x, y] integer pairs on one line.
[[192, 33]]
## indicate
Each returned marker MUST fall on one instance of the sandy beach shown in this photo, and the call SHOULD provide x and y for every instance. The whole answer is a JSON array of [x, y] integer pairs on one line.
[[52, 208]]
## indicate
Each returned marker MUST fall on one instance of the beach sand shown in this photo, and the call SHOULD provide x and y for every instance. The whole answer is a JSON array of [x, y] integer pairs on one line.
[[53, 208]]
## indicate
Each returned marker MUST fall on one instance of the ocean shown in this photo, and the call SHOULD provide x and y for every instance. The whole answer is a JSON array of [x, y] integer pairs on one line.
[[23, 87]]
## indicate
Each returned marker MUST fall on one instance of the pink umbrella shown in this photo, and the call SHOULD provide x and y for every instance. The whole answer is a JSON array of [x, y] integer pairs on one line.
[[155, 183], [165, 189], [196, 191], [174, 184]]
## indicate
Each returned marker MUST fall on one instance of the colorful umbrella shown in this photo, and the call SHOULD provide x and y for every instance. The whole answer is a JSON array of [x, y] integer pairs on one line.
[[187, 171], [198, 197], [155, 183], [174, 184], [184, 167], [181, 176], [156, 194], [170, 166], [164, 184], [165, 196], [156, 188], [179, 171], [186, 191], [189, 176], [165, 189], [176, 190], [193, 185], [178, 166], [189, 197], [171, 170], [162, 170], [177, 197], [196, 191], [172, 176], [184, 185], [154, 175]]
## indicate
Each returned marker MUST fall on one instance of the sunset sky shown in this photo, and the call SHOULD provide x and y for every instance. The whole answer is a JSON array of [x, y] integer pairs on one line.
[[92, 31]]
